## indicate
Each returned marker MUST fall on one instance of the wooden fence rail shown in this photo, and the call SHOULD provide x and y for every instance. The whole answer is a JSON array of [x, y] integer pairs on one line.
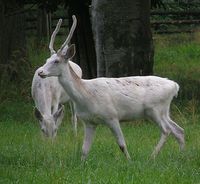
[[175, 18], [184, 13], [176, 21]]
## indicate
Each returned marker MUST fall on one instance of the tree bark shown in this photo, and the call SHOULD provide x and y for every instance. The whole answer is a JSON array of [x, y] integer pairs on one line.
[[12, 38], [83, 38], [123, 38], [42, 24]]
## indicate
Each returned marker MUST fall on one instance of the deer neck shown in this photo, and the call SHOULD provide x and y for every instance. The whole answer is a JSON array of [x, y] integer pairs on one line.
[[72, 83]]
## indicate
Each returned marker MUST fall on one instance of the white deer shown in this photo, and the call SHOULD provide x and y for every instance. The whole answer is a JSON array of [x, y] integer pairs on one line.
[[49, 95], [111, 100]]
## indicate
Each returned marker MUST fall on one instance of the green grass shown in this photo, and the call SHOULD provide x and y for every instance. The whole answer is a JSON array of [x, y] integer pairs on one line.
[[175, 58], [27, 157], [178, 58]]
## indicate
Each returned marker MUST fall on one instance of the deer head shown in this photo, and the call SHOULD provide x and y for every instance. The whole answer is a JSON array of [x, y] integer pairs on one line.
[[64, 54], [49, 123]]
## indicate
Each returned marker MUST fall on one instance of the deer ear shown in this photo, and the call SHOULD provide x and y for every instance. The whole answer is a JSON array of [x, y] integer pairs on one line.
[[70, 52], [38, 115]]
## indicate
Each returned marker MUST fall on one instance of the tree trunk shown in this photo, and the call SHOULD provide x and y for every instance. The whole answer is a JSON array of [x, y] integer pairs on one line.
[[83, 38], [42, 24], [123, 38], [12, 39]]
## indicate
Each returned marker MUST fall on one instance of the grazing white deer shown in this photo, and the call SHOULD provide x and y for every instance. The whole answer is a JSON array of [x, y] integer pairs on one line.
[[111, 100], [49, 95]]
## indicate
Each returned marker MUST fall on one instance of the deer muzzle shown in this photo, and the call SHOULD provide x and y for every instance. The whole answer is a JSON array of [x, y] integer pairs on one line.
[[42, 74]]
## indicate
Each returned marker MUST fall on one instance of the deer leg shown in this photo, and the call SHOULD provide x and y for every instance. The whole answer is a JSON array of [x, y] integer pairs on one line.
[[89, 134], [160, 144], [116, 130], [73, 118], [178, 132], [157, 116]]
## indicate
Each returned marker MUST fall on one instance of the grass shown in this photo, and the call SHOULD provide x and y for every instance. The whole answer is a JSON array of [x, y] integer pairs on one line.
[[28, 157], [177, 57]]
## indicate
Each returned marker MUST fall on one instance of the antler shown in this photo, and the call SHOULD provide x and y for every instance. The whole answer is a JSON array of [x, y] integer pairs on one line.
[[53, 37], [70, 33]]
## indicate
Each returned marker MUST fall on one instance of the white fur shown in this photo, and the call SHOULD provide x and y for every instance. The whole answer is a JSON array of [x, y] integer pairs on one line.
[[48, 94], [111, 100]]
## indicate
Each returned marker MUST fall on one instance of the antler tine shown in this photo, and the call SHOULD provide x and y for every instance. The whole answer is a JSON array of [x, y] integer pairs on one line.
[[70, 33], [53, 37]]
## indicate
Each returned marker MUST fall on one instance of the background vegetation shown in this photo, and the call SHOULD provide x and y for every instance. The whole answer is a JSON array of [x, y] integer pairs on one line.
[[28, 157]]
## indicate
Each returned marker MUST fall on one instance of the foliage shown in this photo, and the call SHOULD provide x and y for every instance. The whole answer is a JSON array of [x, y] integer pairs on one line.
[[157, 4], [52, 5], [176, 16], [174, 4], [15, 76], [48, 5]]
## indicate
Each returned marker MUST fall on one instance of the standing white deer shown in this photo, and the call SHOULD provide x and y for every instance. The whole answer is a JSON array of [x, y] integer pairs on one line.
[[49, 95], [111, 100]]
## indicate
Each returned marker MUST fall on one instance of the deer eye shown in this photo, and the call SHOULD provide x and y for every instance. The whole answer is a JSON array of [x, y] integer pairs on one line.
[[56, 61]]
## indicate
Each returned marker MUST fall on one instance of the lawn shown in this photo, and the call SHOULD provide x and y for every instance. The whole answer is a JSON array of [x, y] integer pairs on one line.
[[28, 157]]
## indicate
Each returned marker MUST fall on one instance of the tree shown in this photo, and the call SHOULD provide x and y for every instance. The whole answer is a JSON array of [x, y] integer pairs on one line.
[[123, 38], [12, 38], [113, 21], [83, 38], [122, 31]]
